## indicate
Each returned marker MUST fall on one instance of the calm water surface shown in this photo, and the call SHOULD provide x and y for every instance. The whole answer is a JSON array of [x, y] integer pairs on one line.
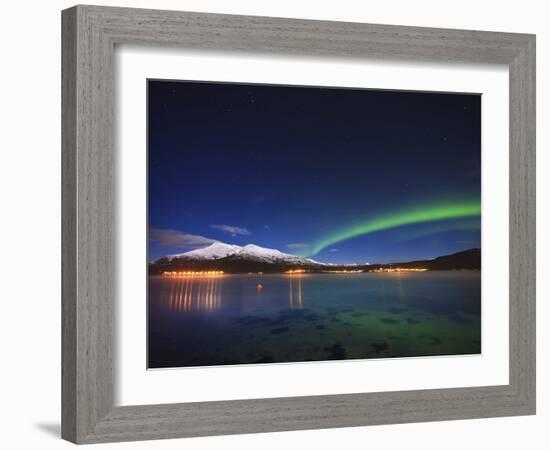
[[198, 321]]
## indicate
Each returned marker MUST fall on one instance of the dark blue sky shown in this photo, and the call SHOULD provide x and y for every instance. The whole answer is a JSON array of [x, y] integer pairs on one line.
[[286, 167]]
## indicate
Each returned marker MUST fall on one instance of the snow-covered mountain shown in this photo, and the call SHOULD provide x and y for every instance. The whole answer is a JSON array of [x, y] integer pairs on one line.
[[253, 258], [234, 253], [256, 252], [213, 251]]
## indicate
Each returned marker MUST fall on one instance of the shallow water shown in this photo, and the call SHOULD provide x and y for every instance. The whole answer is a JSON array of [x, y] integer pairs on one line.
[[199, 321]]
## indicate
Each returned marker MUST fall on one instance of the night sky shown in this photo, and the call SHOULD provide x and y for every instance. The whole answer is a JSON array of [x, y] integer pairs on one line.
[[339, 175]]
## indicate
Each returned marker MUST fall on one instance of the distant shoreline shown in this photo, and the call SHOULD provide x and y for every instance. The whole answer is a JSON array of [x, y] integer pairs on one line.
[[262, 274], [465, 260]]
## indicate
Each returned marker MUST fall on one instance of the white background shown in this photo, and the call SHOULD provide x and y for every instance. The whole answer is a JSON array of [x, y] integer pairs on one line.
[[135, 386], [30, 225]]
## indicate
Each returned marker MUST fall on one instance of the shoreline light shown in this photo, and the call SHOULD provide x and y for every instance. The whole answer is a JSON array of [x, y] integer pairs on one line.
[[193, 273], [400, 269], [344, 271]]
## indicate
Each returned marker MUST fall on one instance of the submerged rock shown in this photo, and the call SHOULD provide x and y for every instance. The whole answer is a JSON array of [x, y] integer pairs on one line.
[[297, 314], [279, 330], [336, 351], [379, 346], [434, 340], [459, 319], [388, 320], [265, 359], [253, 320]]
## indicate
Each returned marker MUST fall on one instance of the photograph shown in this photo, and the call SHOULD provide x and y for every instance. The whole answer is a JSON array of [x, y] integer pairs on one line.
[[290, 224]]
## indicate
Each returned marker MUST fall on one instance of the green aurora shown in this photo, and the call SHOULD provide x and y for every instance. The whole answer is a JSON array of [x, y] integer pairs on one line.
[[432, 213]]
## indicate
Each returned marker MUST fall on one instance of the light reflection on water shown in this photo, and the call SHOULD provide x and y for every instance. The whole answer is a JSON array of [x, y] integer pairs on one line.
[[187, 294], [193, 294], [295, 301], [232, 319]]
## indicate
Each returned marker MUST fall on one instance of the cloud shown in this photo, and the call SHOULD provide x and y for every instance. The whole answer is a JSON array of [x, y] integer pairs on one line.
[[178, 239], [296, 246], [233, 230], [333, 249]]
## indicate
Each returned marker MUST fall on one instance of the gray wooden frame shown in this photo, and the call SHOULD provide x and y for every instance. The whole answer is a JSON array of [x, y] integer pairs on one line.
[[89, 36]]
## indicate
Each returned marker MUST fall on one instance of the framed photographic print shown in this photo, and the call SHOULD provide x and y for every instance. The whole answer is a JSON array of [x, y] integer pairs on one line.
[[388, 185], [305, 210]]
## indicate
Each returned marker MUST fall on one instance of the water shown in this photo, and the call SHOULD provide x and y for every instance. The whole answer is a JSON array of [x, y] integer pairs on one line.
[[201, 321]]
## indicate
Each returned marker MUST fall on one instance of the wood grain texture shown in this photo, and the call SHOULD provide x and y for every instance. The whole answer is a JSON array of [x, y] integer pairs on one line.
[[89, 36], [68, 225], [88, 265], [523, 224]]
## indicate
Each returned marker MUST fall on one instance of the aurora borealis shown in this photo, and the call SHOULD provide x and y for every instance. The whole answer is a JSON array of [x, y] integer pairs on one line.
[[340, 175], [433, 213]]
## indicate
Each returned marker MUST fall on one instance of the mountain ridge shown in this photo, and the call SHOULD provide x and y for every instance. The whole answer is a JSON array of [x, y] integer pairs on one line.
[[218, 250], [253, 258]]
